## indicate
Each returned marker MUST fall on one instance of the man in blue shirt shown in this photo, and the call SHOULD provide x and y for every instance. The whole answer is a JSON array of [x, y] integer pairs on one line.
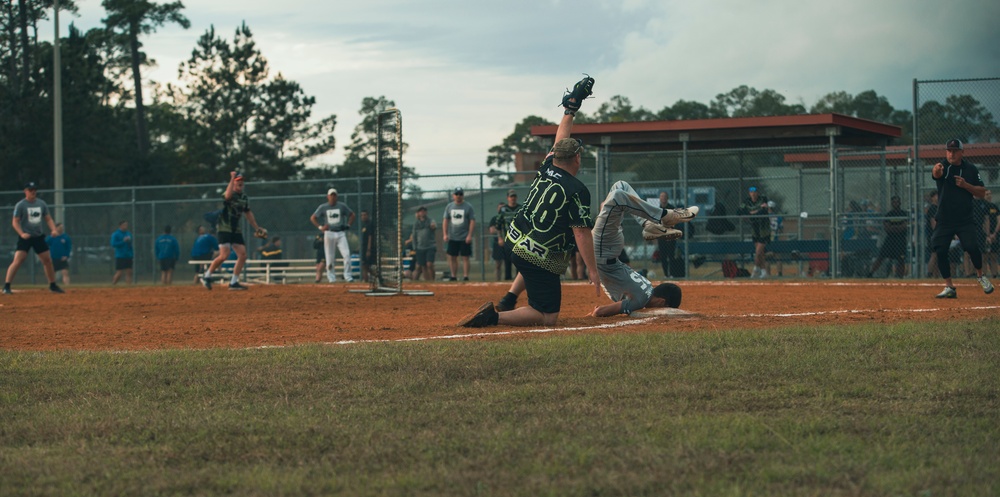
[[167, 252], [204, 249], [121, 241], [61, 248]]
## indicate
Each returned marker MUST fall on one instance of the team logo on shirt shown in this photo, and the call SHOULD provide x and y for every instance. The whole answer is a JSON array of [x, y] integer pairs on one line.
[[35, 215]]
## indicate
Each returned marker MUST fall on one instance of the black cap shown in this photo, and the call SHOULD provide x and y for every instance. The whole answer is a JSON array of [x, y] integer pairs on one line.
[[30, 186], [459, 191], [954, 144]]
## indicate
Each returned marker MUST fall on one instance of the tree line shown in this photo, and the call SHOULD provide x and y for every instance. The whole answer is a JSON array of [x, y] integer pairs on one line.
[[229, 109]]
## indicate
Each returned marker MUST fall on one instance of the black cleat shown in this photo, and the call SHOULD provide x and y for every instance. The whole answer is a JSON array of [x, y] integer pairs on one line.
[[206, 282], [485, 316], [236, 286], [54, 288]]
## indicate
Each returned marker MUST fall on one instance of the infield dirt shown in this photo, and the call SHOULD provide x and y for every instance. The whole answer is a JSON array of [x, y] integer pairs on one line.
[[186, 317]]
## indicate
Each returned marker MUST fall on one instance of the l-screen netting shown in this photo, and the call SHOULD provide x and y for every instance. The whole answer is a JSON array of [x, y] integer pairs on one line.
[[388, 264]]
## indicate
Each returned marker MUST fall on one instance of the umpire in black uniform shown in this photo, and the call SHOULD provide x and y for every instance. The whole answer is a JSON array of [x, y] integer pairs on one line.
[[958, 182]]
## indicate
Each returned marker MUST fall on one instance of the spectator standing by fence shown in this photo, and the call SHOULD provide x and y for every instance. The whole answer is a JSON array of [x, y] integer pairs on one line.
[[168, 250], [756, 207], [894, 244], [204, 249], [121, 242], [424, 245], [929, 224], [61, 249], [367, 255], [458, 225], [958, 182]]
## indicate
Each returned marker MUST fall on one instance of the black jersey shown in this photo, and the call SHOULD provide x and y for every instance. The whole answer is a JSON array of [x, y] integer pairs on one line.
[[954, 203], [542, 230], [232, 211]]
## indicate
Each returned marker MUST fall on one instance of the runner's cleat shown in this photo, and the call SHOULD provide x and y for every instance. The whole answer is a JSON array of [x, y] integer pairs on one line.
[[206, 282], [236, 286], [947, 293], [652, 231], [54, 288], [985, 283], [674, 216]]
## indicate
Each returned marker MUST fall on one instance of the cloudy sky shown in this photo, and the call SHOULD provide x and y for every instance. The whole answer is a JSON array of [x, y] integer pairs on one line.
[[464, 72]]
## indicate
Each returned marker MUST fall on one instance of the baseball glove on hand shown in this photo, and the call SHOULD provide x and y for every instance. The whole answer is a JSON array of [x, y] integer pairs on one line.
[[260, 233], [581, 90]]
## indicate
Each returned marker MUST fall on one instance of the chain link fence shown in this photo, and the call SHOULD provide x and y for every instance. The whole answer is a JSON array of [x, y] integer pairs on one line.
[[829, 211], [965, 109]]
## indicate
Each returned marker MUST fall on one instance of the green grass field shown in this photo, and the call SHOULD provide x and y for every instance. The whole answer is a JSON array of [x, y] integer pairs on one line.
[[907, 410]]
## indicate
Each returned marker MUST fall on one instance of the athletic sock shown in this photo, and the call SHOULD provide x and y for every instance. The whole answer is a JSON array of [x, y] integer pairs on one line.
[[234, 280]]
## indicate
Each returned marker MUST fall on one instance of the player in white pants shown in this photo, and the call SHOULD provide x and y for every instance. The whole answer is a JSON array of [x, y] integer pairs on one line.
[[334, 218], [629, 290]]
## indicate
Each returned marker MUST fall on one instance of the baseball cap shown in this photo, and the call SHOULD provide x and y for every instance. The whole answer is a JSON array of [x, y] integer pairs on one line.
[[567, 148], [239, 175], [331, 191], [30, 186], [421, 208], [459, 191], [954, 144], [752, 189], [511, 192]]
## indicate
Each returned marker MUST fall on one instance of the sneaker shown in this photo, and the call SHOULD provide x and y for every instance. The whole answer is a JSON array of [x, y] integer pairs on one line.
[[985, 283], [465, 278], [451, 278], [947, 293], [206, 282], [236, 286], [54, 288], [652, 231], [486, 315], [674, 216], [6, 291], [349, 279]]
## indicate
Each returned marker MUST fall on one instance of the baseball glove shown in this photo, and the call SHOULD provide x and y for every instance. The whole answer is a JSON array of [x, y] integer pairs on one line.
[[260, 233], [581, 90]]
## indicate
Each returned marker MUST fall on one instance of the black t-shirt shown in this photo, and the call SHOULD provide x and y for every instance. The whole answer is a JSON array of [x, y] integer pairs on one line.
[[896, 218], [954, 203], [542, 231]]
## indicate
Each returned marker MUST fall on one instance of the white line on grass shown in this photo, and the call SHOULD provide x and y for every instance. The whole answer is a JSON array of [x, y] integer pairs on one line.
[[845, 311]]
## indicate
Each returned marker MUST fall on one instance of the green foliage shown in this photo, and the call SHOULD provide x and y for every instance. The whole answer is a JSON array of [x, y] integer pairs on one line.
[[905, 409]]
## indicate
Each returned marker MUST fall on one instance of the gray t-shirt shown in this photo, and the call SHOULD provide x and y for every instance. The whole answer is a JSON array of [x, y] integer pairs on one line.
[[423, 235], [335, 216], [459, 216], [32, 216]]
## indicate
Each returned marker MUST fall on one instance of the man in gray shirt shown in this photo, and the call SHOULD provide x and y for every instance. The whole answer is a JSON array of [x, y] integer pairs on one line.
[[29, 216], [424, 245], [334, 219], [459, 223]]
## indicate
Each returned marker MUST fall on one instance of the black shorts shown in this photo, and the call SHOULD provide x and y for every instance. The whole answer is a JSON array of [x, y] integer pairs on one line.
[[122, 264], [36, 243], [368, 260], [893, 248], [423, 256], [320, 255], [168, 264], [459, 247], [543, 287], [498, 252], [943, 235], [765, 239], [231, 238], [60, 264]]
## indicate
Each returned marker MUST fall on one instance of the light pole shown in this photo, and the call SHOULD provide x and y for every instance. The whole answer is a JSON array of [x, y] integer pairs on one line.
[[57, 119]]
